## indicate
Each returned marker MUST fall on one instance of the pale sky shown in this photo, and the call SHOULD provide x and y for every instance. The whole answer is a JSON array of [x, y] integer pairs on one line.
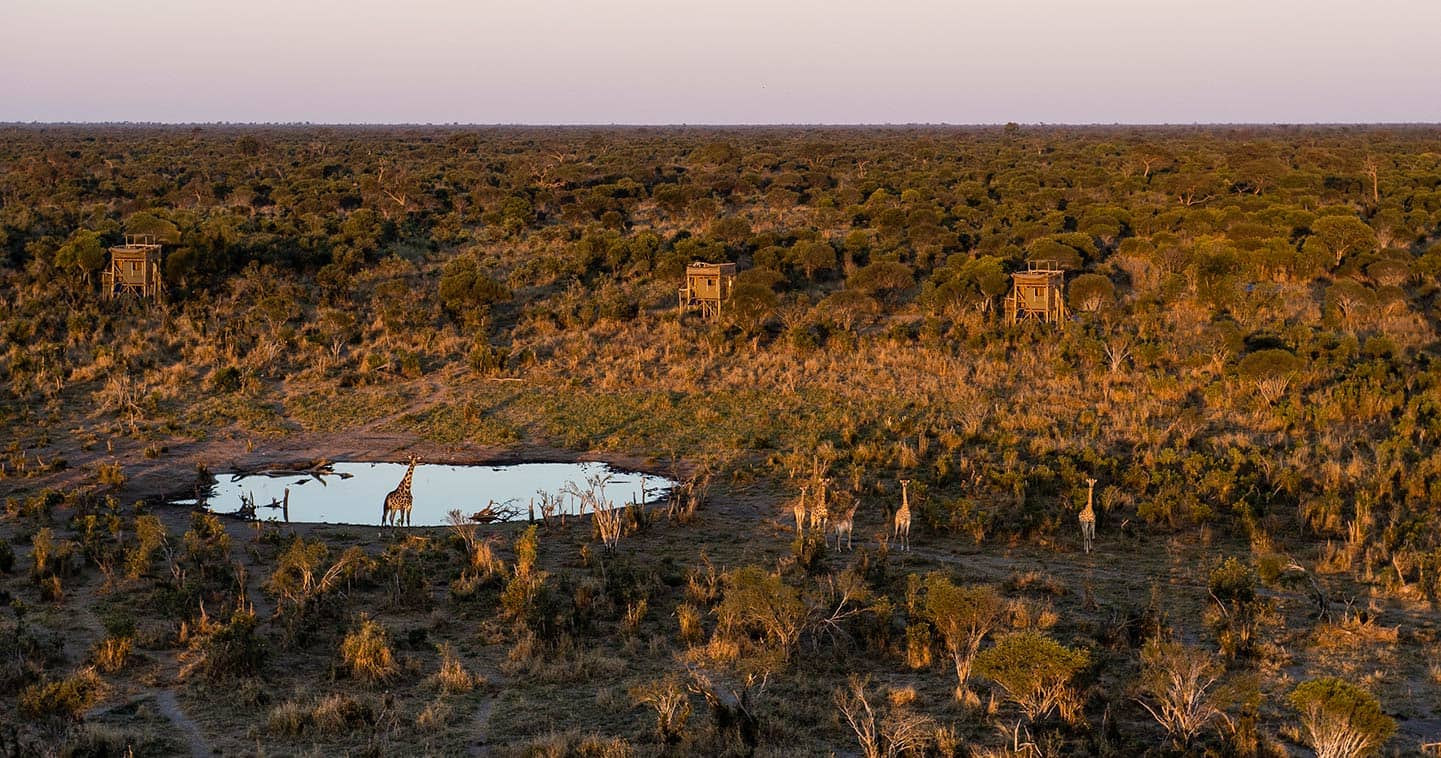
[[732, 62]]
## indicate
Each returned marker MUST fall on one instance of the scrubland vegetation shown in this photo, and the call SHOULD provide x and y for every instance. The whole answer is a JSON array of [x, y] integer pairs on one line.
[[1250, 373]]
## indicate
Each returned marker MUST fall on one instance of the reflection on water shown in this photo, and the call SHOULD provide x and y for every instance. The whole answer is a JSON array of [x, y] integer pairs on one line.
[[353, 493]]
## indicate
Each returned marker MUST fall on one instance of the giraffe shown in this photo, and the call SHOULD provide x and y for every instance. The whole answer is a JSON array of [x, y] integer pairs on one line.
[[820, 514], [846, 523], [1088, 517], [799, 509], [398, 502], [903, 517]]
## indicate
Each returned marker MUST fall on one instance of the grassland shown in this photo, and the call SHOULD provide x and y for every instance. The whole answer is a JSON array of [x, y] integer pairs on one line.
[[1249, 374]]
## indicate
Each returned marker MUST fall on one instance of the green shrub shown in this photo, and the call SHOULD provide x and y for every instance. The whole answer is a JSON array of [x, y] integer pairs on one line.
[[486, 359], [226, 379], [1232, 582], [1233, 588], [1339, 719], [66, 698], [464, 287], [1034, 671]]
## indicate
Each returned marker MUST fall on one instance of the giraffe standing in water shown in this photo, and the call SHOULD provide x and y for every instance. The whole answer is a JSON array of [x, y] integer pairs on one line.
[[1088, 517], [398, 502], [903, 517], [799, 509]]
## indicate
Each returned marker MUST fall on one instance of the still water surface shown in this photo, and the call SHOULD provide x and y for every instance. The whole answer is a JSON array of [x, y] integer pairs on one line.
[[353, 493]]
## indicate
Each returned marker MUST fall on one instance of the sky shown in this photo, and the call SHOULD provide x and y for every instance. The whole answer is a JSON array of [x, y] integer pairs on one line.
[[721, 61]]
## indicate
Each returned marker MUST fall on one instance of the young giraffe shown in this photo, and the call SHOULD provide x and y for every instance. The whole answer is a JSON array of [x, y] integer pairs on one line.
[[903, 517], [845, 524], [1088, 517], [820, 513], [799, 509], [398, 502]]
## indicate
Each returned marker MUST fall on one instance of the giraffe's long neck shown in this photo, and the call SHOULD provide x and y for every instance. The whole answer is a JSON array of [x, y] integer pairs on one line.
[[1090, 511], [405, 483], [905, 498]]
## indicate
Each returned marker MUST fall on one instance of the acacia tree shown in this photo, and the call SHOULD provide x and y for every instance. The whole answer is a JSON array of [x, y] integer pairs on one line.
[[1270, 371], [1035, 672], [1343, 234], [813, 256], [962, 616], [750, 304], [1349, 299], [1091, 292], [83, 253], [146, 222]]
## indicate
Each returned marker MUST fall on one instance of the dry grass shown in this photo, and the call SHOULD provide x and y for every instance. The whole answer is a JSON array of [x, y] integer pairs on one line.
[[111, 654], [366, 652], [452, 678]]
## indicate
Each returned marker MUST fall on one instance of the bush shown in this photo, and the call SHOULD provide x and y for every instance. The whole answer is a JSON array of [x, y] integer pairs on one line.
[[452, 678], [518, 598], [207, 545], [331, 715], [689, 618], [1178, 679], [464, 287], [671, 702], [111, 653], [1034, 671], [302, 582], [66, 699], [227, 650], [757, 604], [486, 359], [366, 652], [1233, 588], [111, 475], [226, 379], [1340, 720], [749, 305], [882, 279], [150, 536], [105, 741]]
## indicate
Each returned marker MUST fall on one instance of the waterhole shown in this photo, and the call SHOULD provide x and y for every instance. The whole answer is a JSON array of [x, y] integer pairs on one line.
[[354, 493]]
